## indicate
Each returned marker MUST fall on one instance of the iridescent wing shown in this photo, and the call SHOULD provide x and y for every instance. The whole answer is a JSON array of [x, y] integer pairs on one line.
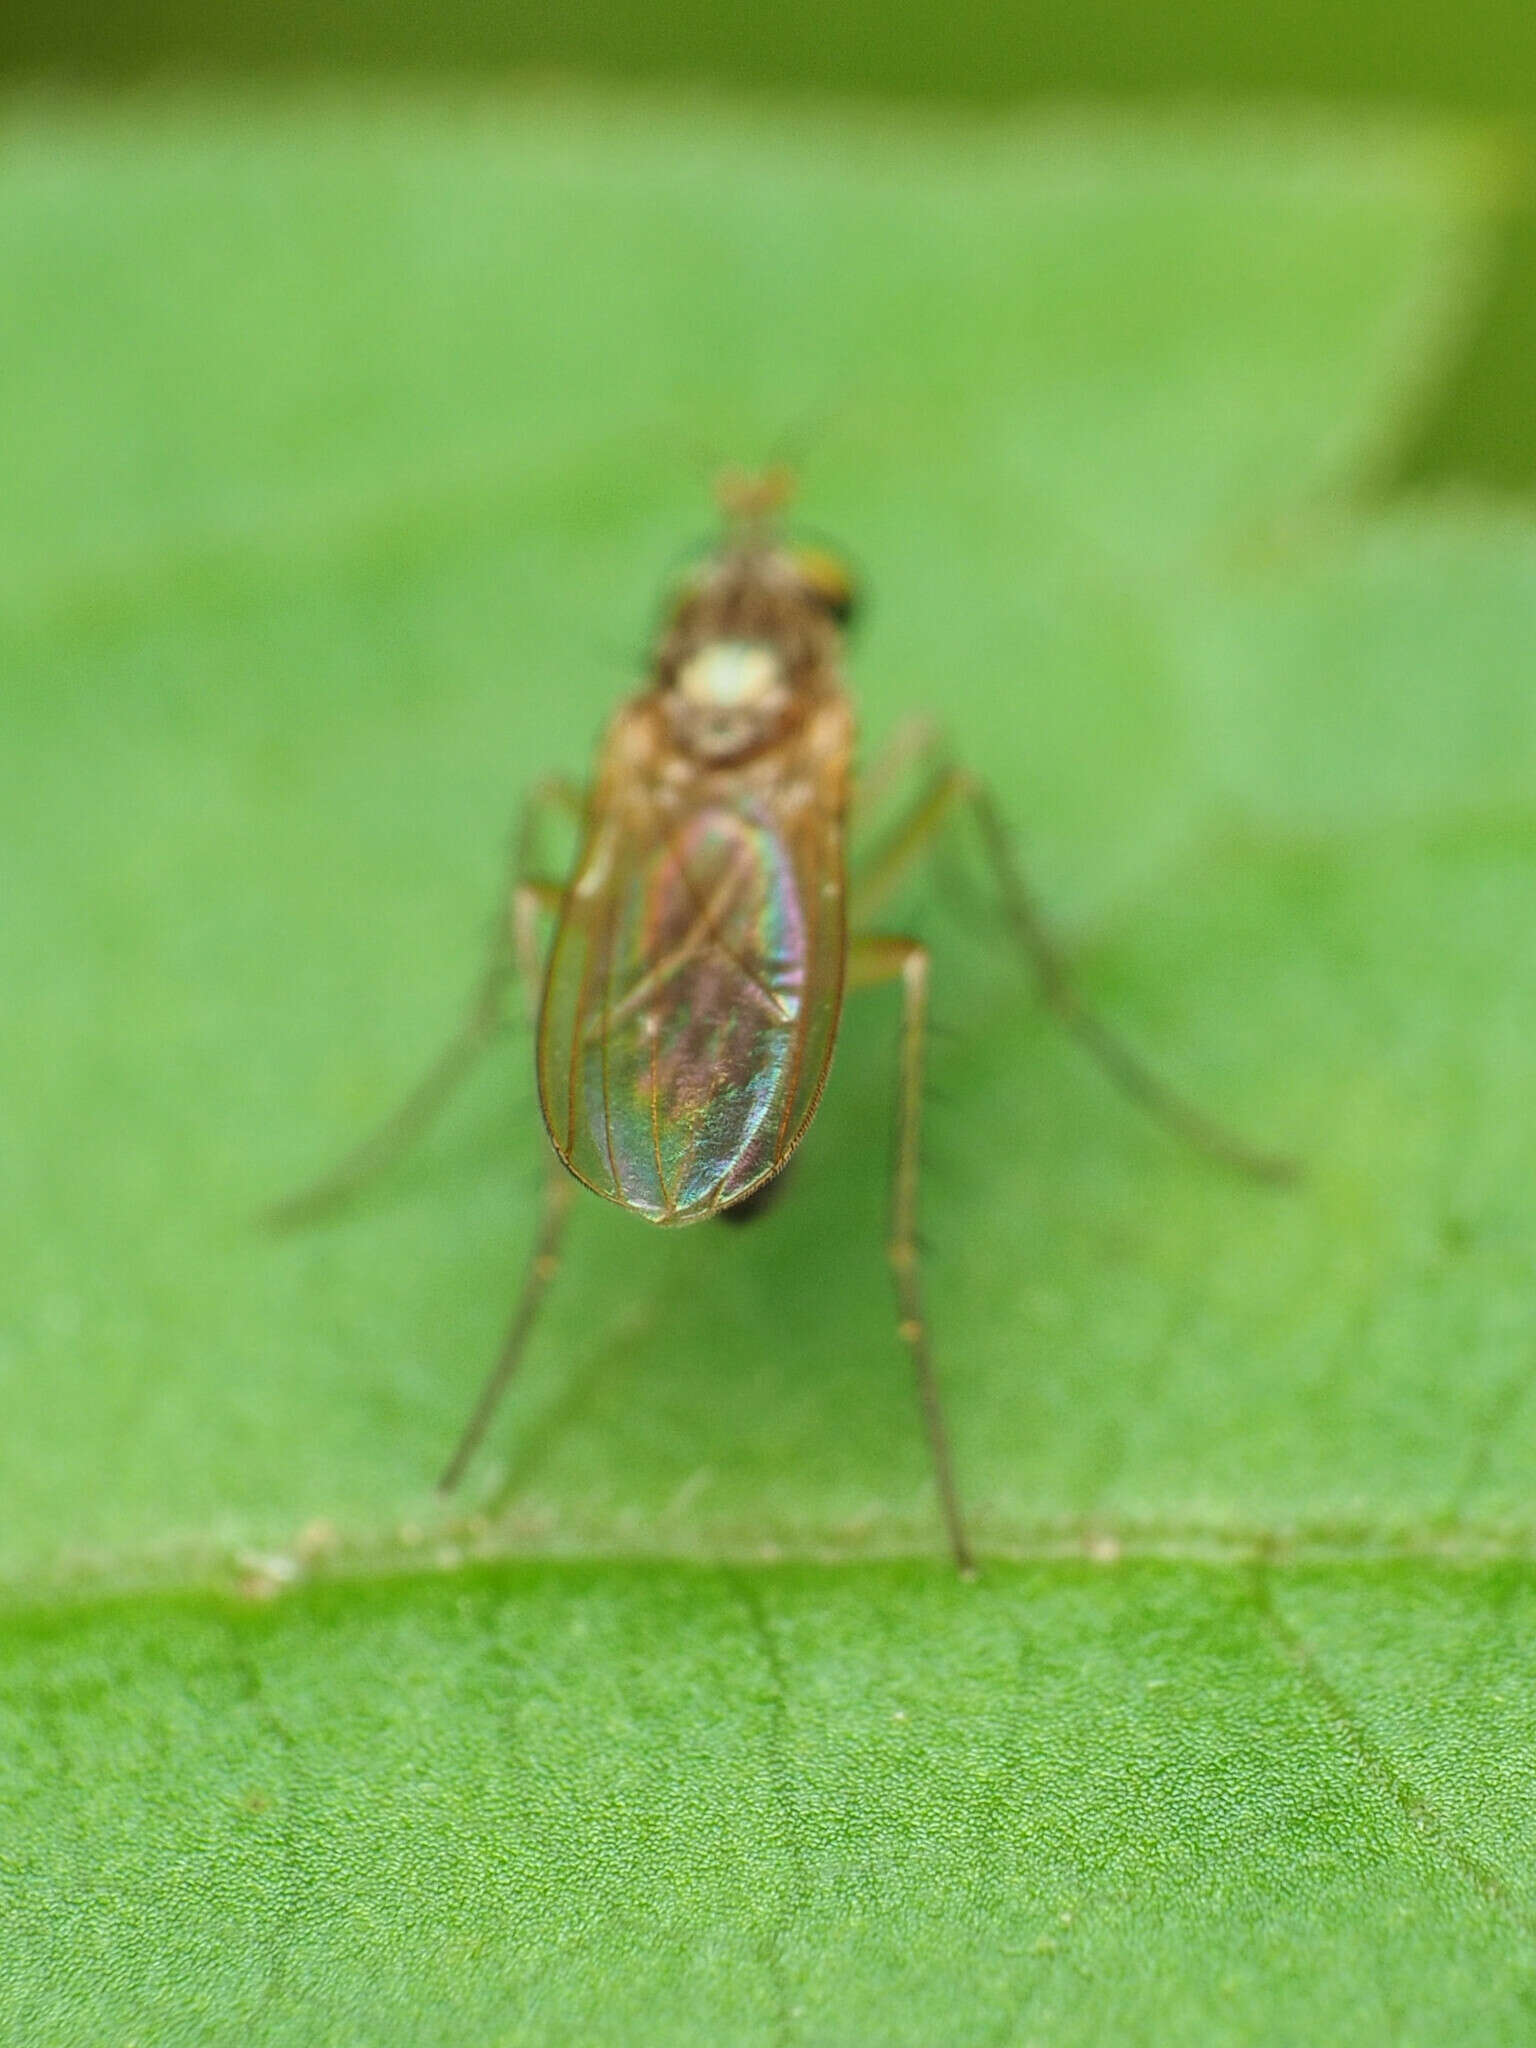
[[692, 998]]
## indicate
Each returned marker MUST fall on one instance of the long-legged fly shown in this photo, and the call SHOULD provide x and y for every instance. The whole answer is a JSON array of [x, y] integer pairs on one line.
[[690, 998]]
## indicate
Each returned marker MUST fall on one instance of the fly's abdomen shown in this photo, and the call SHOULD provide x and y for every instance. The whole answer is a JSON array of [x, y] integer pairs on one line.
[[687, 1024]]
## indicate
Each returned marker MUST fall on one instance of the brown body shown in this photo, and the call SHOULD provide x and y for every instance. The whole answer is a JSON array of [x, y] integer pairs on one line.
[[695, 983]]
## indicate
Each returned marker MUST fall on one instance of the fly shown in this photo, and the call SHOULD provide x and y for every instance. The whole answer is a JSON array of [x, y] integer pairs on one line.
[[702, 947]]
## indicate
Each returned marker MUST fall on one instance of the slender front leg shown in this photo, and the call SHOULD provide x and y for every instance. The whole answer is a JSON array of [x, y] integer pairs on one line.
[[875, 960], [513, 953], [910, 742], [543, 1263], [950, 787]]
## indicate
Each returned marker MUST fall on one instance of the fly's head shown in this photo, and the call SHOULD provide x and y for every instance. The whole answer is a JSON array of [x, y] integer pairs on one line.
[[753, 638]]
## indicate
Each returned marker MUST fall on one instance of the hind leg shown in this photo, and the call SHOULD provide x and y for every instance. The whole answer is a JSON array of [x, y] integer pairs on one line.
[[513, 955]]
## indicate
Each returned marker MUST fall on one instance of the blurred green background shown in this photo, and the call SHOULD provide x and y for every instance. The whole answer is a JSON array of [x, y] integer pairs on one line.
[[1478, 59]]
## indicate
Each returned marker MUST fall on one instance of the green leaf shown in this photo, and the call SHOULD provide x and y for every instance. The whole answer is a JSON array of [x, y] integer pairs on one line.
[[612, 1802], [355, 441]]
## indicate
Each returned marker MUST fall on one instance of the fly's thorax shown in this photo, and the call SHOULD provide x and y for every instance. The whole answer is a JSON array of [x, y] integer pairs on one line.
[[749, 650], [648, 781], [728, 699]]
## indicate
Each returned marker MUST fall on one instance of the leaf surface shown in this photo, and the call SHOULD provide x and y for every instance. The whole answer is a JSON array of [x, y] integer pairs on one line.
[[358, 439]]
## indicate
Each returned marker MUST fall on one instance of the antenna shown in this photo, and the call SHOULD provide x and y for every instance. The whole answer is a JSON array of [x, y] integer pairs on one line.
[[751, 500]]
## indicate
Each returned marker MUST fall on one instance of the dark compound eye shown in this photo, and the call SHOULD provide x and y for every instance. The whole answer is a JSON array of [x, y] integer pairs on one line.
[[828, 581]]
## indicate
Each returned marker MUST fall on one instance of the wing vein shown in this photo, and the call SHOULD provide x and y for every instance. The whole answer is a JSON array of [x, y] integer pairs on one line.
[[802, 1021], [578, 1014], [703, 931], [654, 1034], [610, 919]]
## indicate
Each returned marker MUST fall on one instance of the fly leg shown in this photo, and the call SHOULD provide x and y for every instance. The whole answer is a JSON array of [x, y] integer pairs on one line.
[[528, 899], [871, 961], [911, 741], [543, 1263], [513, 955], [949, 788], [400, 1130], [1122, 1065]]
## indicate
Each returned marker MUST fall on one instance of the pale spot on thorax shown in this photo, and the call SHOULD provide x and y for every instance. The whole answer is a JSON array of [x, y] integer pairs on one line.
[[732, 675]]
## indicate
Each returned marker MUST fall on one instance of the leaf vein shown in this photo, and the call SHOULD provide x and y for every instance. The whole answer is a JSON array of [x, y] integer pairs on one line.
[[1427, 1821]]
